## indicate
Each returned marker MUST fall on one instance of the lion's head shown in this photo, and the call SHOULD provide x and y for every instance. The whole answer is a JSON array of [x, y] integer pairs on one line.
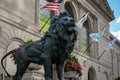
[[63, 25]]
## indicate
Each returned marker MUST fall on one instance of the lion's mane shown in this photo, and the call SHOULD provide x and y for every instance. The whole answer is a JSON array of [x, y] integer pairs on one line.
[[64, 32]]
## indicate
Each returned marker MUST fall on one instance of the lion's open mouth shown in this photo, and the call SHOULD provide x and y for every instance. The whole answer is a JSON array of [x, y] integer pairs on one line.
[[72, 24]]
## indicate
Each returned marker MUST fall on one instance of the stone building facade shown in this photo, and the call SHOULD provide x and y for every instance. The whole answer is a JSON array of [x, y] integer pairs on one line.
[[19, 20]]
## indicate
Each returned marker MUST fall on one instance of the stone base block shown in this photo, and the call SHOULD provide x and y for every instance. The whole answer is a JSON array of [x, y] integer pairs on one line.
[[33, 75]]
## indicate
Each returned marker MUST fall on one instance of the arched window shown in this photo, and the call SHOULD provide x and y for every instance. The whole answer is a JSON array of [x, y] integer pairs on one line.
[[105, 76], [69, 8], [85, 37], [115, 63], [91, 74]]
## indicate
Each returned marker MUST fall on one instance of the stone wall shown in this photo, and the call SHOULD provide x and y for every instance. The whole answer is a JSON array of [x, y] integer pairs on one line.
[[18, 22], [24, 9]]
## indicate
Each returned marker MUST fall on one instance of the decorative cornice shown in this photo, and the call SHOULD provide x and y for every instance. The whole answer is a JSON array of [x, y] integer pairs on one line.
[[107, 14]]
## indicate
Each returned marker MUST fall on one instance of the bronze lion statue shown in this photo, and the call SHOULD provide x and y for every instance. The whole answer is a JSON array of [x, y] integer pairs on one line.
[[53, 48]]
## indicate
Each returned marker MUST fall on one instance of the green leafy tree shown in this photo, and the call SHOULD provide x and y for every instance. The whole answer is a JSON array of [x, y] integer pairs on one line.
[[43, 19], [27, 42]]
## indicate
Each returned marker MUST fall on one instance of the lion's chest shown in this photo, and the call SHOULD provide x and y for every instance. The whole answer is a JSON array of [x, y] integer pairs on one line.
[[61, 51]]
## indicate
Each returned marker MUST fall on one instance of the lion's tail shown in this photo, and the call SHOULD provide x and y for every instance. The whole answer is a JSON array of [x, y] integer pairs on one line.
[[13, 51]]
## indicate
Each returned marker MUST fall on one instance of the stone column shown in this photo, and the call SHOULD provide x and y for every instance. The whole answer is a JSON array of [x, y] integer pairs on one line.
[[79, 42]]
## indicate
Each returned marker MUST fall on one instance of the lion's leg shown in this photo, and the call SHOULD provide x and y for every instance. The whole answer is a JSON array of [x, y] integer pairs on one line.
[[47, 58], [21, 68], [60, 70], [47, 68]]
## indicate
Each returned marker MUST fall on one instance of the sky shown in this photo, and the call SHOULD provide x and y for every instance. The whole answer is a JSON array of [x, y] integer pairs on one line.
[[115, 24]]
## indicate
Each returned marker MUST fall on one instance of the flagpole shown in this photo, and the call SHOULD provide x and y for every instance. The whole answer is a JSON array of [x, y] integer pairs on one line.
[[101, 54], [44, 25], [88, 47], [103, 27]]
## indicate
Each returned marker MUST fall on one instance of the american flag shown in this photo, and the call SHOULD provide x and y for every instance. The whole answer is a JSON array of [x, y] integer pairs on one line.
[[81, 21], [53, 6]]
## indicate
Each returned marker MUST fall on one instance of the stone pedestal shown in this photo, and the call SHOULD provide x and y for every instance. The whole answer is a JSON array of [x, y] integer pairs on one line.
[[33, 75], [33, 66], [7, 78], [55, 77], [71, 75], [34, 72]]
